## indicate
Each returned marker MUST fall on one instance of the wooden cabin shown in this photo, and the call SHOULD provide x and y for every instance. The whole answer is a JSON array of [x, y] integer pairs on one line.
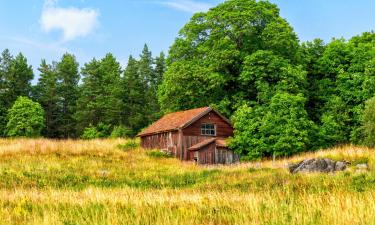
[[195, 135]]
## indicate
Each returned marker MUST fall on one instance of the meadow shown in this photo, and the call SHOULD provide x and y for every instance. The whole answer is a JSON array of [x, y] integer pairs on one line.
[[113, 181]]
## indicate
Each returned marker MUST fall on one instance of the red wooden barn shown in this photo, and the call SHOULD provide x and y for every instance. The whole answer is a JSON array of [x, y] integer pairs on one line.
[[195, 135]]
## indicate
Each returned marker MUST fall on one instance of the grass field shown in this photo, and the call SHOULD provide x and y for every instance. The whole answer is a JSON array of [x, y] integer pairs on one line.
[[101, 182]]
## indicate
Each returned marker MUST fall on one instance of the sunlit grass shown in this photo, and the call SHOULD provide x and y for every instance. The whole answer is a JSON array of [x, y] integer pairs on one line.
[[101, 182]]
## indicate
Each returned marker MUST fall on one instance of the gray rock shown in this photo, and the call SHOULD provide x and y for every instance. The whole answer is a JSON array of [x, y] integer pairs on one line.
[[363, 166], [317, 165]]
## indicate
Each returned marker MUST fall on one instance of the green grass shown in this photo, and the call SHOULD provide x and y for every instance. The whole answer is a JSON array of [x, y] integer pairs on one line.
[[96, 182]]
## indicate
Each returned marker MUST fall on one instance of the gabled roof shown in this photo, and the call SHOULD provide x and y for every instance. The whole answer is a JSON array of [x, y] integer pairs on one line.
[[178, 120], [219, 143]]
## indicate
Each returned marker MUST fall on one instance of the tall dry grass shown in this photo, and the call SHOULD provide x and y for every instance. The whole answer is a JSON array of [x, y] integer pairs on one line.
[[96, 182]]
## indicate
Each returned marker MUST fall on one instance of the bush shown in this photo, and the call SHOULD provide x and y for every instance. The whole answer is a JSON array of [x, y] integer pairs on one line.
[[90, 133], [25, 118], [100, 131], [368, 126], [158, 154], [121, 132], [132, 144], [104, 130]]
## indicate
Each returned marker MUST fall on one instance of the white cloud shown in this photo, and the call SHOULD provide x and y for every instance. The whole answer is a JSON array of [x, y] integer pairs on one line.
[[73, 22], [187, 5]]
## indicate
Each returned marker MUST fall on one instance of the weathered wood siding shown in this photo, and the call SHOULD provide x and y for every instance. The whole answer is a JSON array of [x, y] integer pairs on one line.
[[225, 156], [211, 154], [178, 142], [164, 141], [223, 129], [205, 155], [188, 141]]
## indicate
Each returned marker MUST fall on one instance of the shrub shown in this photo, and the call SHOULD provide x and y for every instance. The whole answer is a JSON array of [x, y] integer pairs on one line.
[[104, 130], [90, 133], [121, 132], [158, 154], [132, 144], [25, 118], [100, 131]]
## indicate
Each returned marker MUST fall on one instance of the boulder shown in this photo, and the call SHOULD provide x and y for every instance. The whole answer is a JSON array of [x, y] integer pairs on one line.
[[317, 165], [361, 168]]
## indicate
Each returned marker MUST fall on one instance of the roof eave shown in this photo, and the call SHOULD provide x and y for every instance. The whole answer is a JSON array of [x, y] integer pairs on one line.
[[158, 132]]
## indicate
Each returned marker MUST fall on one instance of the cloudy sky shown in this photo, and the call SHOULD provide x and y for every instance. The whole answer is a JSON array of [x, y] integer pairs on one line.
[[91, 28]]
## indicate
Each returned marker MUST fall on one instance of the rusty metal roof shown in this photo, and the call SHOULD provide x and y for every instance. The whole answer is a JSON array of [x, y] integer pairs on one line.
[[174, 121]]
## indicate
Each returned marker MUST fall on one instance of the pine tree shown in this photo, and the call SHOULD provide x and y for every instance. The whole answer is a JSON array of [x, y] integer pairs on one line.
[[68, 78], [134, 98], [47, 95], [88, 112], [100, 100], [152, 80], [112, 102], [18, 79], [160, 67], [5, 64]]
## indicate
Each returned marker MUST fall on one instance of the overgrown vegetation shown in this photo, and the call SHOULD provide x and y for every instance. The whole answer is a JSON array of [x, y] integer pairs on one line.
[[283, 96], [95, 182]]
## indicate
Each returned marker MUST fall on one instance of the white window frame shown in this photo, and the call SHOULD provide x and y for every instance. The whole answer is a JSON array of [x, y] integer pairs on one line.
[[207, 131]]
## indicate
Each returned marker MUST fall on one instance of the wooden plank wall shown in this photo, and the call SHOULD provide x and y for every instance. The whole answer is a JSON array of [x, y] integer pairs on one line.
[[163, 141], [188, 141]]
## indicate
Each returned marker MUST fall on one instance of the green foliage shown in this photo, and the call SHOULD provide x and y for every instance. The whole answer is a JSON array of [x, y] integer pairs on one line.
[[46, 93], [129, 145], [100, 131], [369, 123], [15, 81], [90, 133], [207, 58], [158, 154], [68, 77], [281, 129], [25, 119], [120, 132], [100, 98]]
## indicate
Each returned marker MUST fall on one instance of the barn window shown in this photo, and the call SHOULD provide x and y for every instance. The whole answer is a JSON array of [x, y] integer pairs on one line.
[[208, 129]]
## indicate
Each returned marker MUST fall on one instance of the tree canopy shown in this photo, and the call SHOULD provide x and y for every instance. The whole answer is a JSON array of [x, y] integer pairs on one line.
[[25, 118]]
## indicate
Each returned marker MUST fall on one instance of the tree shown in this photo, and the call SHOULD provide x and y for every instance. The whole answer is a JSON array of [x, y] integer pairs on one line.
[[281, 129], [134, 113], [5, 64], [25, 118], [68, 78], [18, 79], [265, 73], [368, 125], [15, 80], [100, 100], [160, 67], [152, 80], [46, 93], [214, 45]]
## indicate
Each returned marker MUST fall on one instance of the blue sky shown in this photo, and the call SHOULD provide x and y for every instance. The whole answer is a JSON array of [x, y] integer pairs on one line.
[[91, 28]]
